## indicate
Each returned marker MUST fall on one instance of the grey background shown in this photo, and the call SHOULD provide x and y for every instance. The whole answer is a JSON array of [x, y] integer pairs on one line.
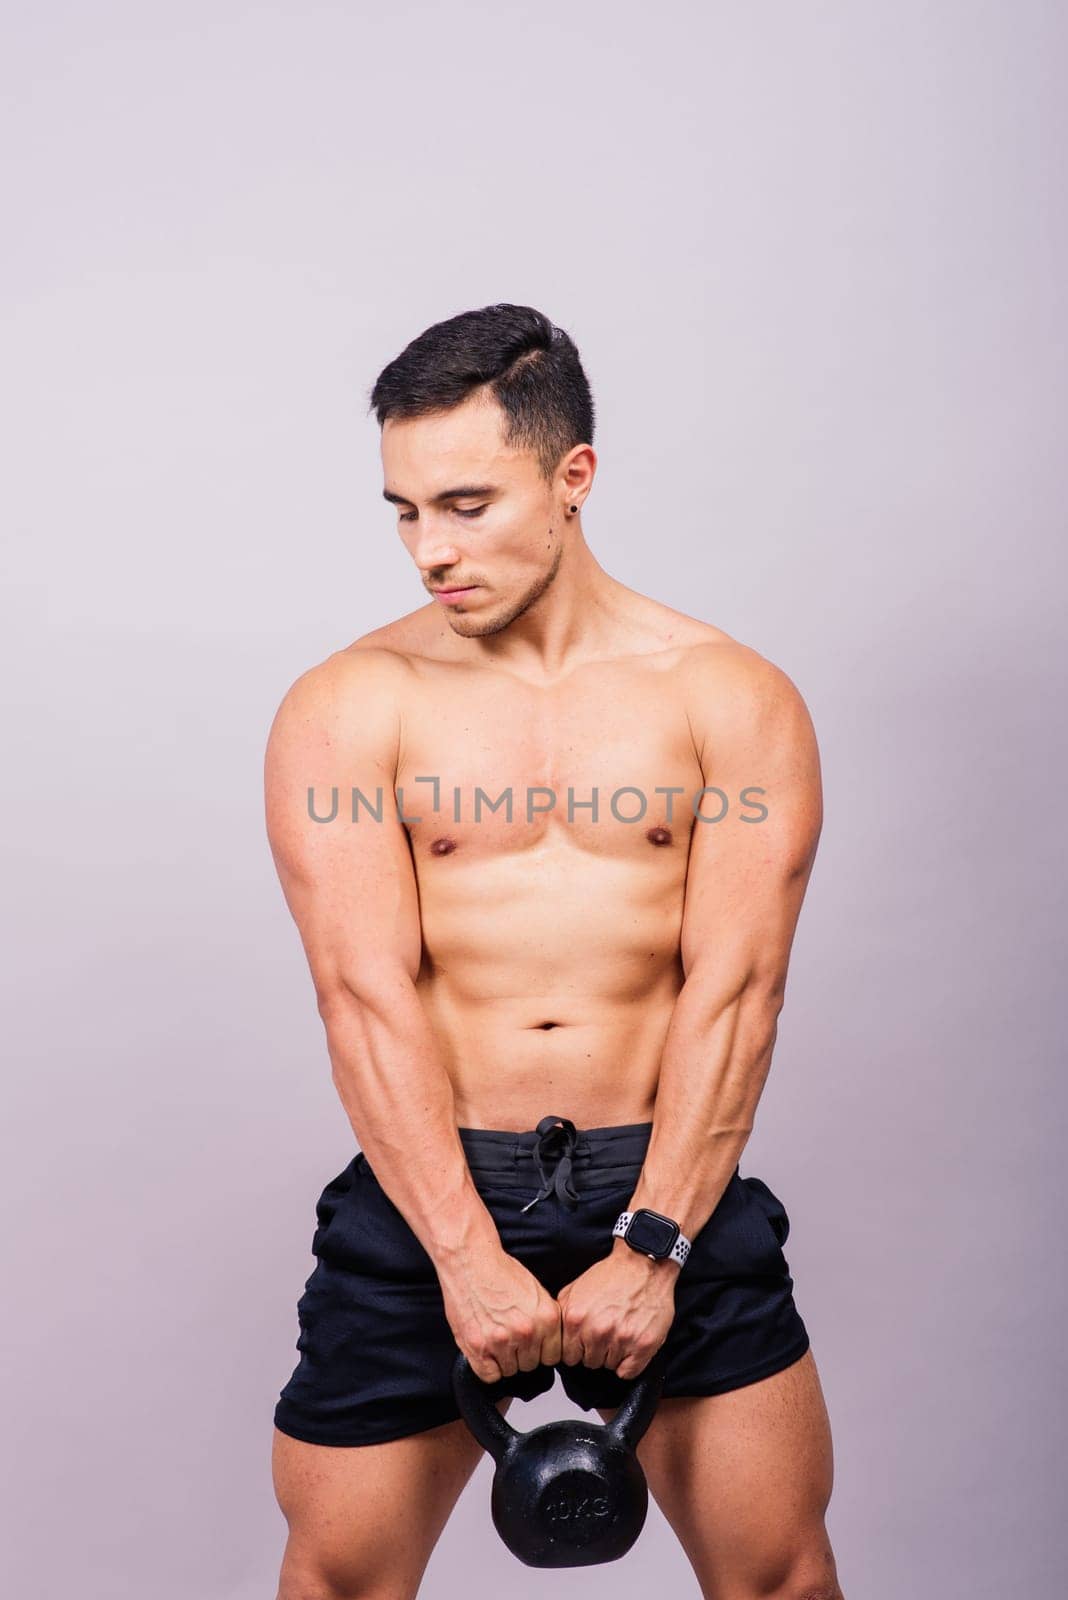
[[814, 259]]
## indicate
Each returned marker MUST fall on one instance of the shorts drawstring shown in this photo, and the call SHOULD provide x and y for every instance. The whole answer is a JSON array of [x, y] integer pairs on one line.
[[555, 1142]]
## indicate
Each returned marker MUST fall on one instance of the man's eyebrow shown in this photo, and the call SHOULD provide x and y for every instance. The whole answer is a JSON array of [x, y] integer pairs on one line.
[[462, 493]]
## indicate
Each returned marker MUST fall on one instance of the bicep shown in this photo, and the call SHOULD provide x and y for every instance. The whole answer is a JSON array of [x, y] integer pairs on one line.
[[748, 872], [349, 884]]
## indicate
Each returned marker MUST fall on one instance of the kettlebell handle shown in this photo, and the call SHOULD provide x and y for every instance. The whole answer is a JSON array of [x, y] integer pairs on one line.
[[495, 1433]]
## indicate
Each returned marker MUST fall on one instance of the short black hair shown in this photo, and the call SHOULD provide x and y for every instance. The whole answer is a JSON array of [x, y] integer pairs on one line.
[[531, 366]]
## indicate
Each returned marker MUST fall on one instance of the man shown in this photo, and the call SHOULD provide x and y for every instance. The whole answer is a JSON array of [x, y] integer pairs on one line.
[[546, 842]]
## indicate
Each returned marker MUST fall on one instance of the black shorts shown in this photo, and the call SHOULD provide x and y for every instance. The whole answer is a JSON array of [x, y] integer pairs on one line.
[[376, 1349]]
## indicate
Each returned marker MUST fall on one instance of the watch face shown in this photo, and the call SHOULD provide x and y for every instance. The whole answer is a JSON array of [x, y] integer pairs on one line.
[[651, 1232]]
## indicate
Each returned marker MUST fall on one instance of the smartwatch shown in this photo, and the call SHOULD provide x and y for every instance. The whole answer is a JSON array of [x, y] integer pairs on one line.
[[652, 1235]]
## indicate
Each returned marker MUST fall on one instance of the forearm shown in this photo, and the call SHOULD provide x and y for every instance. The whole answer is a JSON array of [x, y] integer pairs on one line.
[[715, 1063], [390, 1078]]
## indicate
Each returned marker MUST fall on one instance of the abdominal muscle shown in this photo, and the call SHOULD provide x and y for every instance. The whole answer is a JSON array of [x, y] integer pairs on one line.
[[598, 1071], [552, 1004]]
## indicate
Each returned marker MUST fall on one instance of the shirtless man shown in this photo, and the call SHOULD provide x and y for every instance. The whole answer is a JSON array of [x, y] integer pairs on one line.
[[543, 1014]]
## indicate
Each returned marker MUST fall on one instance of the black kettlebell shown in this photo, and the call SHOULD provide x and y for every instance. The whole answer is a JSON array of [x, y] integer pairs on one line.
[[569, 1493]]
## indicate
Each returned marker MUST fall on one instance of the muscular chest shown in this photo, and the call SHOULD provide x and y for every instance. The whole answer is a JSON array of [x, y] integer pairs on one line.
[[603, 765]]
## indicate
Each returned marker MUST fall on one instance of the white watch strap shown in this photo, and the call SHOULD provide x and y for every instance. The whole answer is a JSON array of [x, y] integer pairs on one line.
[[679, 1250]]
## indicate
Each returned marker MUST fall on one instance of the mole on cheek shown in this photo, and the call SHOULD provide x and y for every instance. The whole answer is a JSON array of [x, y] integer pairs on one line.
[[659, 835], [442, 847]]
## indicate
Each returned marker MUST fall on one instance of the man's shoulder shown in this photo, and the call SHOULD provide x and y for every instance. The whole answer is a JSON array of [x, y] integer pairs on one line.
[[417, 633], [728, 664], [360, 684], [733, 690], [381, 655], [707, 653]]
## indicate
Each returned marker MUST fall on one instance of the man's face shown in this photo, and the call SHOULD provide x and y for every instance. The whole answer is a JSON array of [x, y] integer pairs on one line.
[[503, 540]]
